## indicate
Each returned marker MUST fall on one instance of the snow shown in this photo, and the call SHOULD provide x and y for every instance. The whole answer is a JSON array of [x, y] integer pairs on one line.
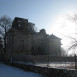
[[8, 71], [60, 65]]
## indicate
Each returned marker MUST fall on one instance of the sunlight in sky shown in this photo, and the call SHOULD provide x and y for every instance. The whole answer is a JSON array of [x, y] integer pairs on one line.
[[64, 28]]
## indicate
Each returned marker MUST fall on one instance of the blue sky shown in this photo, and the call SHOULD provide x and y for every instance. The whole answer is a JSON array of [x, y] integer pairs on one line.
[[41, 12]]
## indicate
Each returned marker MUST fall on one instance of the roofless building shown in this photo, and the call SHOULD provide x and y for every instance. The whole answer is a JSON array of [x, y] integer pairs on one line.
[[23, 39]]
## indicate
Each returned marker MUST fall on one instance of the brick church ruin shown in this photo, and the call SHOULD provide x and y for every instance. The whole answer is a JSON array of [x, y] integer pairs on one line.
[[23, 39]]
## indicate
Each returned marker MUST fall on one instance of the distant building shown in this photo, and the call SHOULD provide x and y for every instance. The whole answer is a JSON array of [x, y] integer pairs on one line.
[[23, 39]]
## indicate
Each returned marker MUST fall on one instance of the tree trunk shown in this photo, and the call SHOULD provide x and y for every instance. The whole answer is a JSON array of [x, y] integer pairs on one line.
[[5, 42]]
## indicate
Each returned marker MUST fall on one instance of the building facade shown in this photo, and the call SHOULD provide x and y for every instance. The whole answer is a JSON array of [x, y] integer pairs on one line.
[[23, 39]]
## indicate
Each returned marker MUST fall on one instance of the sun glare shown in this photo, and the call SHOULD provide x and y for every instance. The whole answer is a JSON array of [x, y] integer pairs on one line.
[[63, 27]]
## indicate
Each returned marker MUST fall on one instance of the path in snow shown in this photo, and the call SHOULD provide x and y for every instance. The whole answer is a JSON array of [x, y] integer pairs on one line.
[[8, 71]]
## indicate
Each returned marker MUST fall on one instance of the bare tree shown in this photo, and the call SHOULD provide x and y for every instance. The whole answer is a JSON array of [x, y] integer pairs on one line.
[[5, 25], [1, 45], [73, 37], [72, 17]]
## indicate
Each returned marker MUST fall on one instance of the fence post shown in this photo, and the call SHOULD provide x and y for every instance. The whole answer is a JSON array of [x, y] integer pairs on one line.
[[11, 59], [48, 61], [33, 59], [75, 61]]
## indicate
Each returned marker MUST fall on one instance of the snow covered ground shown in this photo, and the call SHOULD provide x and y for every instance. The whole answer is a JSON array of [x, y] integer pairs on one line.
[[8, 71], [62, 65]]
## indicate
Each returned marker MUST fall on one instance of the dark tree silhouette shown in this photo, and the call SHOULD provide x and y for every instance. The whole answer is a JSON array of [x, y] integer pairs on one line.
[[1, 45], [5, 25]]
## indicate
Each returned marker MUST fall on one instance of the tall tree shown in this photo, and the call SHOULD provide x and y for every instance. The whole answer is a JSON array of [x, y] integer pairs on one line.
[[73, 44], [5, 25], [1, 45]]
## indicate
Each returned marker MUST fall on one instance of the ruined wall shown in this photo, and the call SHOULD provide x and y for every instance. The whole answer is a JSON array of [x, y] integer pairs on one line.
[[22, 43]]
